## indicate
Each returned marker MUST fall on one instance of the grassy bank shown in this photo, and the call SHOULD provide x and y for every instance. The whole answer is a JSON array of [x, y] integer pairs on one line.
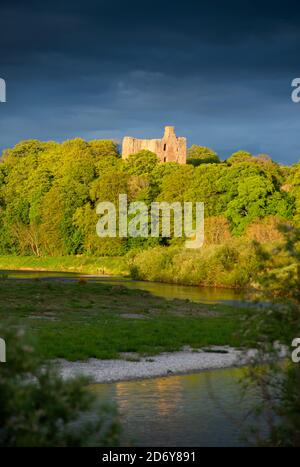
[[81, 320], [81, 264], [233, 264]]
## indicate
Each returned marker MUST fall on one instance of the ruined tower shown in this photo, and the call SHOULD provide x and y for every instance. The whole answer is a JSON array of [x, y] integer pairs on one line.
[[169, 148]]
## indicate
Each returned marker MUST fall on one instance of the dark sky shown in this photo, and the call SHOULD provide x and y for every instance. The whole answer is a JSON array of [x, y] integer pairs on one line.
[[220, 71]]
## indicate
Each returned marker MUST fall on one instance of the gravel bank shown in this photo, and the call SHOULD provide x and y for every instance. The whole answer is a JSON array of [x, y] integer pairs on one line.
[[185, 361]]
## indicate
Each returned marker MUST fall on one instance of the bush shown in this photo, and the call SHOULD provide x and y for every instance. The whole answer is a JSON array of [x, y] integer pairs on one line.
[[269, 328], [264, 230], [217, 230], [39, 408], [232, 264]]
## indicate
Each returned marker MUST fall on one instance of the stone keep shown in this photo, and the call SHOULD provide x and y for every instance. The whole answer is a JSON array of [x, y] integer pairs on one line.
[[168, 149]]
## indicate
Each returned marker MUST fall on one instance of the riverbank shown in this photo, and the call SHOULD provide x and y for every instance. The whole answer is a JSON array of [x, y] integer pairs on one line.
[[80, 320], [230, 265], [115, 265], [132, 367]]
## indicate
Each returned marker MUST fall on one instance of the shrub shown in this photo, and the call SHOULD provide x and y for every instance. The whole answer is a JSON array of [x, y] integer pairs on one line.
[[264, 230], [267, 329], [39, 408], [232, 264], [217, 230]]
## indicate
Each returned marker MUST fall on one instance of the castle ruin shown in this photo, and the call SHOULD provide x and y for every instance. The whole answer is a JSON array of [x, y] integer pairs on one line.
[[168, 149]]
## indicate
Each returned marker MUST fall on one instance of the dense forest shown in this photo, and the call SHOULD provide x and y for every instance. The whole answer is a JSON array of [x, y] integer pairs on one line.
[[49, 191]]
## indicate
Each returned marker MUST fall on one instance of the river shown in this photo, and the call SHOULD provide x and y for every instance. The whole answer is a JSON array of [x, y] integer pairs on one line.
[[197, 294], [202, 409]]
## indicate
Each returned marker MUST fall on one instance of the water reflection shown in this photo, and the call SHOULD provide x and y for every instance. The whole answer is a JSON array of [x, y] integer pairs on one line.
[[204, 409], [169, 291]]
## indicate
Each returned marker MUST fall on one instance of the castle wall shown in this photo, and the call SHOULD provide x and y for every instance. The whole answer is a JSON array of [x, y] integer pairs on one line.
[[168, 149]]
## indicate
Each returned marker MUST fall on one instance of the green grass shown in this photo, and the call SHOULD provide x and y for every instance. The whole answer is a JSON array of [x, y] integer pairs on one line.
[[82, 264], [82, 320]]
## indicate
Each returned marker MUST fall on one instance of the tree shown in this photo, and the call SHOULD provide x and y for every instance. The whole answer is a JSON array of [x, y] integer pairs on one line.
[[256, 198], [197, 155], [239, 156], [293, 188], [46, 190], [175, 184], [104, 148], [142, 163], [207, 185]]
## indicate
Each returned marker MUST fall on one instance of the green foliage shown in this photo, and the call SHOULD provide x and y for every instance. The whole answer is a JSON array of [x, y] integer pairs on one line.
[[42, 185], [232, 264], [49, 193], [101, 148], [207, 185], [292, 186], [142, 163], [78, 264], [197, 155], [256, 198], [38, 408], [175, 184], [239, 156], [270, 327]]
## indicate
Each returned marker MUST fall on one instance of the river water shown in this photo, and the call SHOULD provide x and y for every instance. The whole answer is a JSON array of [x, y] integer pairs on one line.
[[203, 409], [198, 294]]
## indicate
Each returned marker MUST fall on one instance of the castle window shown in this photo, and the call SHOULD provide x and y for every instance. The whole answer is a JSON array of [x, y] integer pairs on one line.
[[165, 147], [165, 159]]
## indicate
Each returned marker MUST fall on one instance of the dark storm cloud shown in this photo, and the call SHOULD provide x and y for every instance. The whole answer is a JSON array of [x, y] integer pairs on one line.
[[220, 71]]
